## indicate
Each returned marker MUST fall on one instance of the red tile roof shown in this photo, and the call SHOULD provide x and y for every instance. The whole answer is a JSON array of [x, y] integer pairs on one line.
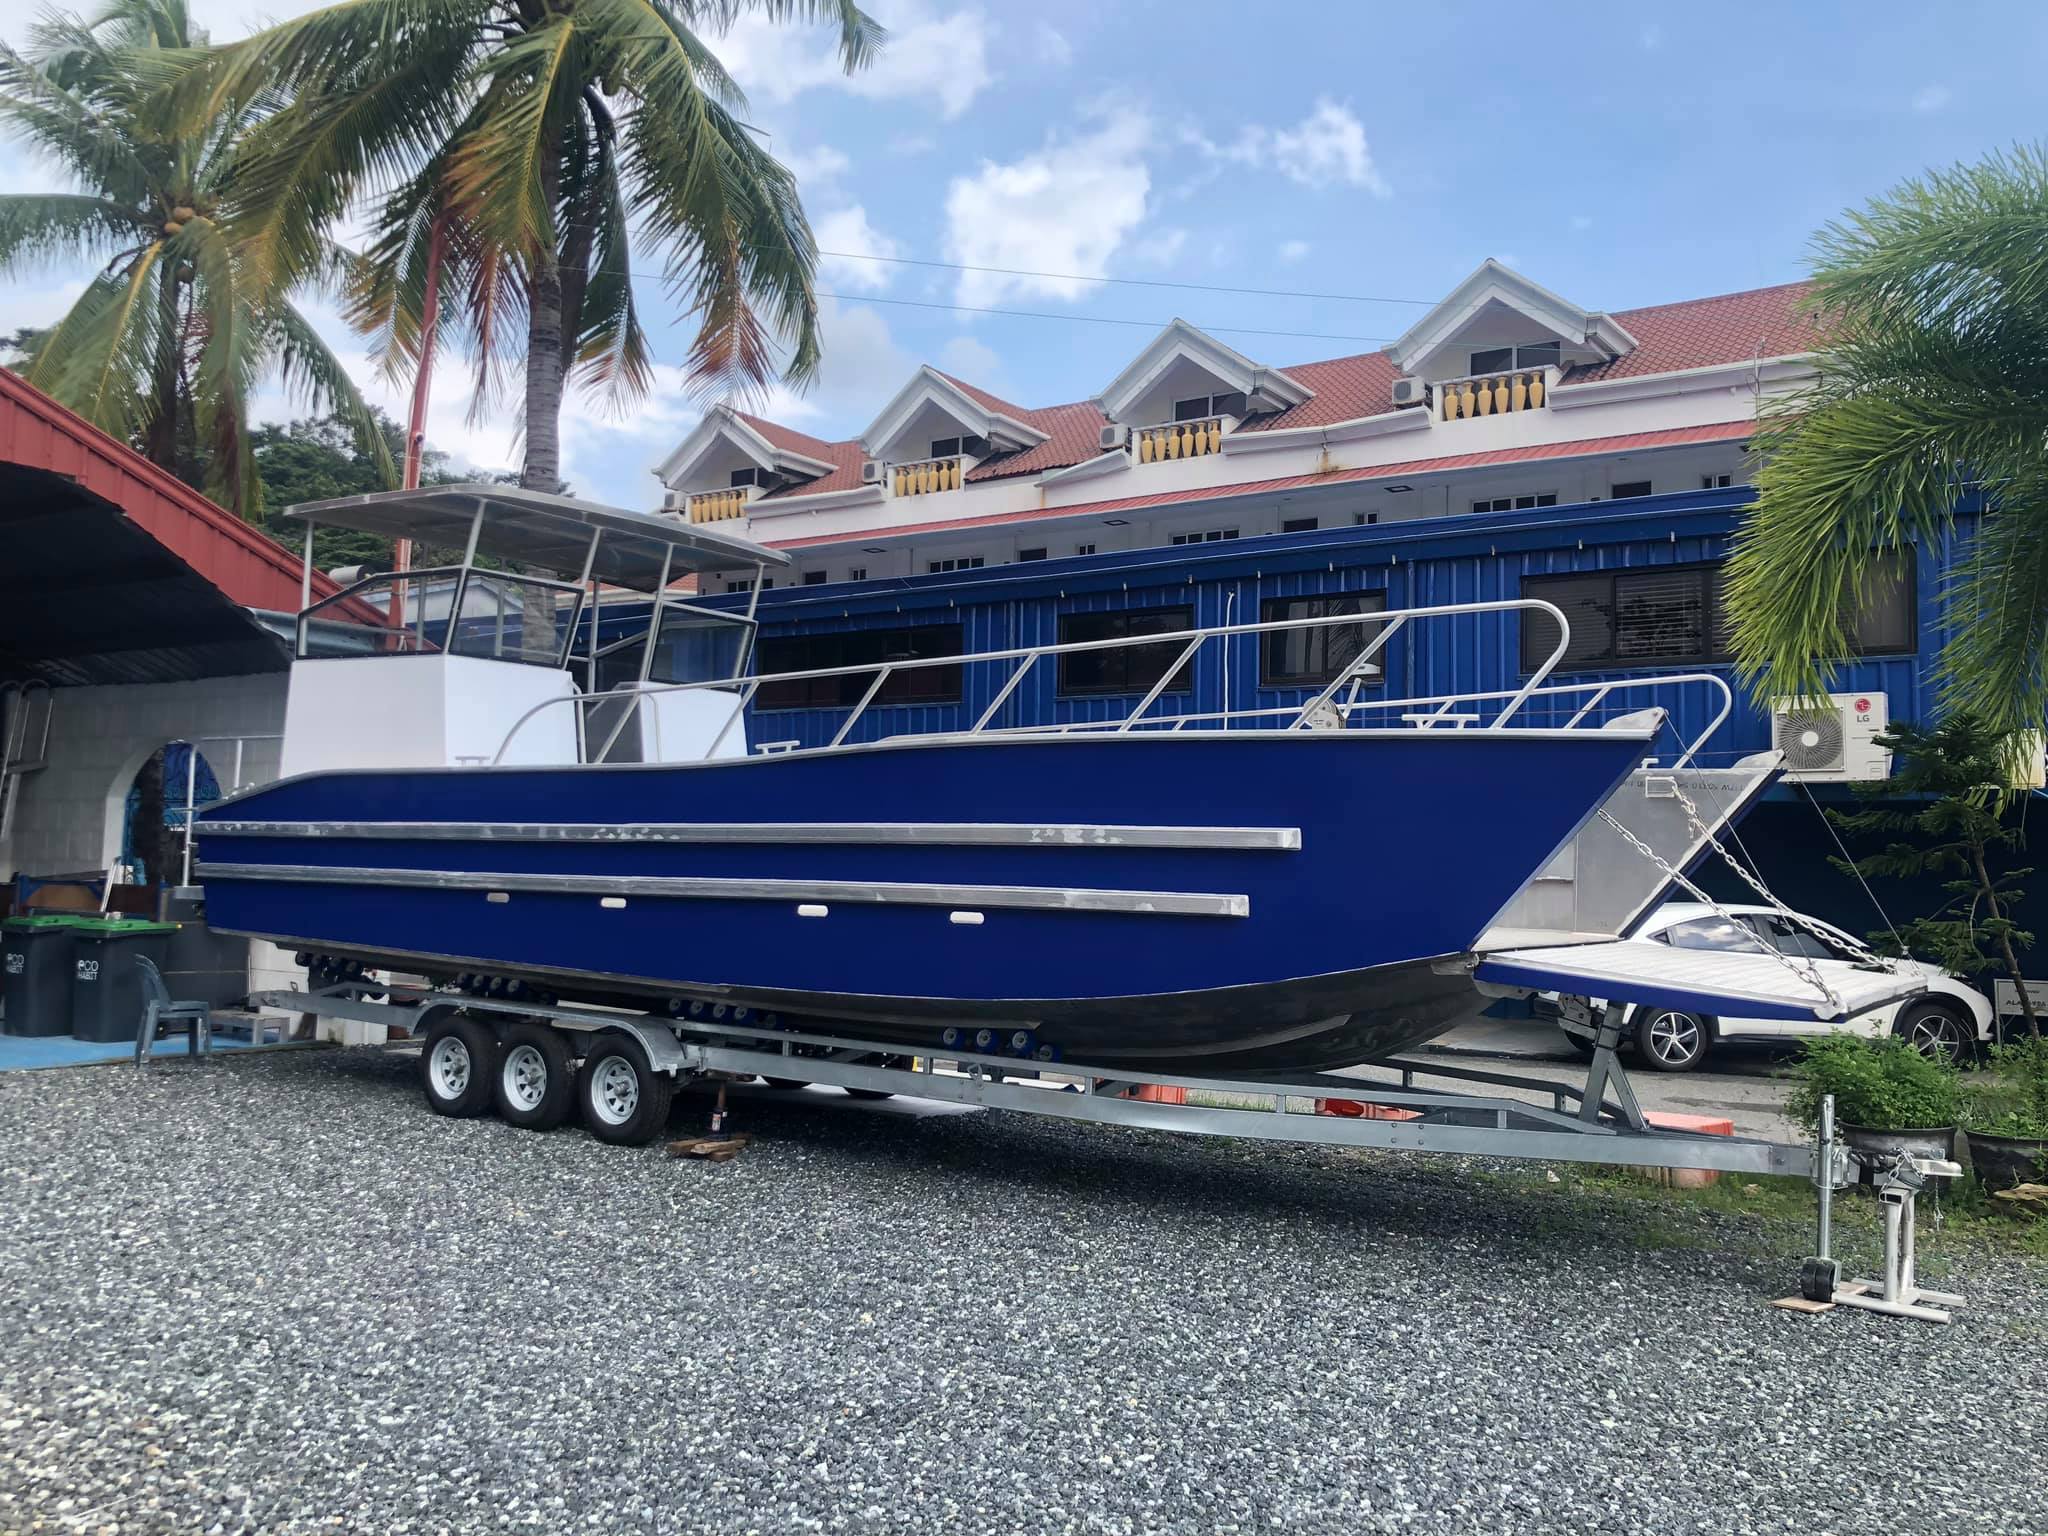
[[1669, 437], [789, 439], [1765, 322]]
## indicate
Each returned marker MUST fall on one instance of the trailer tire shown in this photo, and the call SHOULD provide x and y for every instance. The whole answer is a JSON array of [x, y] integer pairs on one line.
[[535, 1084], [458, 1066], [619, 1096]]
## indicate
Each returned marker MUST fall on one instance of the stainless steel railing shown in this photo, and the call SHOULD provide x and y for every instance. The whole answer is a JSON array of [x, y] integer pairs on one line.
[[1353, 677]]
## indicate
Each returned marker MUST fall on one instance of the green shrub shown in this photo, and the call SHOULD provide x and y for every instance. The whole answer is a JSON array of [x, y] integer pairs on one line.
[[2012, 1098], [1882, 1085]]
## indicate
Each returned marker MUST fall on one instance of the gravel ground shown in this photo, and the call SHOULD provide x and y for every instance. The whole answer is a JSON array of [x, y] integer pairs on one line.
[[277, 1295]]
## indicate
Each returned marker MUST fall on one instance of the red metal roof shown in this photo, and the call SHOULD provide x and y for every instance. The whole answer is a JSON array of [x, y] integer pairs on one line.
[[1669, 437], [248, 567], [1697, 333]]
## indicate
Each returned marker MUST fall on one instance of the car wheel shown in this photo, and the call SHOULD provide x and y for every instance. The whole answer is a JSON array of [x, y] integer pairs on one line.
[[1670, 1039], [1937, 1030], [1583, 1044]]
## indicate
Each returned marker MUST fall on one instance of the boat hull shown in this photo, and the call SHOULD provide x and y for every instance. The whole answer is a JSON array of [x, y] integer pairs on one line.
[[1278, 899]]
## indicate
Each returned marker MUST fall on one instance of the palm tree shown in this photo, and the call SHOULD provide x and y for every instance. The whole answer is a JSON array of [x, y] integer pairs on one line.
[[166, 344], [518, 148], [1934, 385]]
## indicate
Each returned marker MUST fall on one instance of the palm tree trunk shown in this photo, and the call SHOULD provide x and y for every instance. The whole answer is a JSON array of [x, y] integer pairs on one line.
[[543, 467]]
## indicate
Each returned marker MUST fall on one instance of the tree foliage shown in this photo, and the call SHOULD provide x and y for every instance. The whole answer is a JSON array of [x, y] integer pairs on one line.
[[1934, 386], [1948, 787], [522, 149], [173, 333]]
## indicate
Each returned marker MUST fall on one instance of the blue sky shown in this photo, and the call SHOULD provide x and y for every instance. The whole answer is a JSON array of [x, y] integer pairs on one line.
[[1621, 155]]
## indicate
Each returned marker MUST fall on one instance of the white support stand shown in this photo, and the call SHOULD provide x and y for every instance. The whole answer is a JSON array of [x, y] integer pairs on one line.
[[1898, 1185]]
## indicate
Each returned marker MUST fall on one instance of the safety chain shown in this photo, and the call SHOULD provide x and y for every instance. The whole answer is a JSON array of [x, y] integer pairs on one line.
[[1802, 968], [1864, 954]]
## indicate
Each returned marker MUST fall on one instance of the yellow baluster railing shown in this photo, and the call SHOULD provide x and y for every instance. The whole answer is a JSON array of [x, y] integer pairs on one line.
[[1180, 440], [927, 476], [717, 506], [1496, 394]]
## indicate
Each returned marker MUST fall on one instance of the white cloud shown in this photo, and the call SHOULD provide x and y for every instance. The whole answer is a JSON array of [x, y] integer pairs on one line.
[[812, 166], [1930, 99], [966, 357], [1292, 251], [1052, 46], [929, 56], [1326, 148], [848, 236], [1066, 208], [1161, 248], [860, 367]]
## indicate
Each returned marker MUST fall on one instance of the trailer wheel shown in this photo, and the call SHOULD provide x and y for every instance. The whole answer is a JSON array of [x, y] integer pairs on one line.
[[621, 1098], [457, 1066], [536, 1079]]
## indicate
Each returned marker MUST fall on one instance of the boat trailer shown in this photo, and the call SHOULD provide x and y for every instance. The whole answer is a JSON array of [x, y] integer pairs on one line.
[[1394, 1109]]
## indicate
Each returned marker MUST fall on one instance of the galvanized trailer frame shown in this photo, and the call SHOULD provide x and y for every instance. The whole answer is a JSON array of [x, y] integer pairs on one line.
[[1598, 1123]]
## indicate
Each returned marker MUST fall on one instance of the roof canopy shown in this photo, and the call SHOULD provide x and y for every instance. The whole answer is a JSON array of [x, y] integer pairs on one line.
[[543, 532]]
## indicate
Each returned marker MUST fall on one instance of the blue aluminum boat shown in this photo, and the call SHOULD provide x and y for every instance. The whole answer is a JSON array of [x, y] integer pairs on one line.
[[1231, 891]]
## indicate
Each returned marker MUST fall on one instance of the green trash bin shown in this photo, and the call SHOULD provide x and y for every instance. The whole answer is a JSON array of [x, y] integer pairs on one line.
[[106, 989], [36, 972]]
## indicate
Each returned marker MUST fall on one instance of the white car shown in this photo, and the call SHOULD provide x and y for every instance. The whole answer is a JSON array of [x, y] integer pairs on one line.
[[1950, 1017]]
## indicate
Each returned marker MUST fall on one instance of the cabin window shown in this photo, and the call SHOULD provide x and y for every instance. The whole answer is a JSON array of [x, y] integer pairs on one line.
[[1674, 615], [956, 563], [1202, 407], [1544, 354], [910, 685], [1123, 669], [1207, 536], [1625, 490], [1312, 658], [1515, 503]]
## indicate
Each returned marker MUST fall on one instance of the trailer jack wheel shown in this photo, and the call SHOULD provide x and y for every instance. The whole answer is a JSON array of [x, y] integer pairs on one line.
[[620, 1097]]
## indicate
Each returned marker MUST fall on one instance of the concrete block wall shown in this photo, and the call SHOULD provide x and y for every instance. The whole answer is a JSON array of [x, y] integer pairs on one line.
[[69, 814]]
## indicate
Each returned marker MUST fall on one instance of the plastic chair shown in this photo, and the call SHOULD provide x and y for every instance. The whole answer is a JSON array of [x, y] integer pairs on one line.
[[159, 1010]]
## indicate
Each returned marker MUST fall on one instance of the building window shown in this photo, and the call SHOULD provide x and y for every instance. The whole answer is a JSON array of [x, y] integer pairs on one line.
[[1298, 524], [807, 653], [1367, 517], [1084, 549], [1311, 658], [948, 447], [814, 578], [1673, 615], [760, 477], [1626, 490], [1209, 536], [1515, 503], [1202, 407], [1031, 554], [856, 573], [1716, 482], [746, 583], [1129, 668], [1544, 354], [956, 563]]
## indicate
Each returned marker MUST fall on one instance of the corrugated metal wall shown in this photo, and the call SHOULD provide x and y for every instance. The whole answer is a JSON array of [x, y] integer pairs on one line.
[[1468, 653]]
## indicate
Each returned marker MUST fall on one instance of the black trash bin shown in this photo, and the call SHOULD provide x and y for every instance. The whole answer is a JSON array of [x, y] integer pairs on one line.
[[36, 968], [106, 990]]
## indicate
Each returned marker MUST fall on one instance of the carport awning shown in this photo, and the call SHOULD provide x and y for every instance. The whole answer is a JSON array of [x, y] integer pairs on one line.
[[1722, 983], [88, 596]]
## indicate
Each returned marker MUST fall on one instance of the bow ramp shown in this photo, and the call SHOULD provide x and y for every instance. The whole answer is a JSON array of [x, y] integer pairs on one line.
[[1723, 983]]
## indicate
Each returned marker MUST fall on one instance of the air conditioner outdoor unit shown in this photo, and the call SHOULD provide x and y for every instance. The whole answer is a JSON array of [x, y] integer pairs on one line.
[[870, 472], [673, 501], [1832, 740], [1114, 435], [1410, 392]]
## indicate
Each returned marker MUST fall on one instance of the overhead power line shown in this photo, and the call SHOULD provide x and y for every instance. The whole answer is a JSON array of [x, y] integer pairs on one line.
[[1039, 314], [1132, 282]]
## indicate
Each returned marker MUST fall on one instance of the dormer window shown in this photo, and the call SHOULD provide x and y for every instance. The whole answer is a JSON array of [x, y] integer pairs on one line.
[[1201, 407], [1544, 354], [953, 447], [761, 477]]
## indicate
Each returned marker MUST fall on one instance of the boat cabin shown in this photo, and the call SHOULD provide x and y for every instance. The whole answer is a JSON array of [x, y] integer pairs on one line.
[[488, 650]]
